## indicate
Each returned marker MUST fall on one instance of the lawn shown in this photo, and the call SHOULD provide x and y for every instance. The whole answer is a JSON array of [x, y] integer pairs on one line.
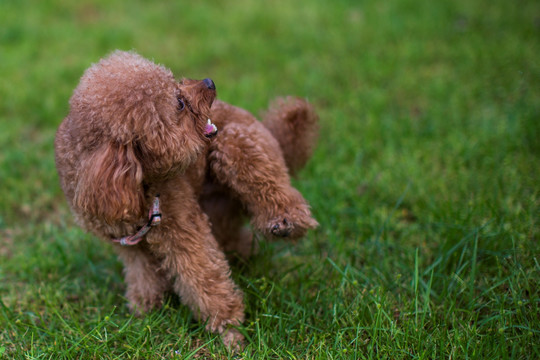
[[425, 180]]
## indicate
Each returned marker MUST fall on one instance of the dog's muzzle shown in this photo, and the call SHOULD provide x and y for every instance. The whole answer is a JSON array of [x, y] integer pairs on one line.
[[209, 84]]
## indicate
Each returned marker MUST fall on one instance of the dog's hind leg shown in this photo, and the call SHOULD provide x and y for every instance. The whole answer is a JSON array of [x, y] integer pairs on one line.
[[247, 159], [229, 221]]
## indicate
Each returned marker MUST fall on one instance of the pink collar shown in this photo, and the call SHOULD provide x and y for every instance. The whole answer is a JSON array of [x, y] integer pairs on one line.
[[154, 219]]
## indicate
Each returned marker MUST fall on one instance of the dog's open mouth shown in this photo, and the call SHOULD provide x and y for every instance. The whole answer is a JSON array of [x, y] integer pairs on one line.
[[210, 130]]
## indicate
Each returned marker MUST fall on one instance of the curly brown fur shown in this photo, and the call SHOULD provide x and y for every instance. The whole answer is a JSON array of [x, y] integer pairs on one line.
[[132, 132], [293, 122]]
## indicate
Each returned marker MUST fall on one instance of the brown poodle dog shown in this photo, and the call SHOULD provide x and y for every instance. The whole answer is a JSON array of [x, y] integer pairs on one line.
[[136, 140]]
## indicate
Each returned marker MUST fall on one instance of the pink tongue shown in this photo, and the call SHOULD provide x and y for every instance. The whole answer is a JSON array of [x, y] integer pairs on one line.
[[210, 129]]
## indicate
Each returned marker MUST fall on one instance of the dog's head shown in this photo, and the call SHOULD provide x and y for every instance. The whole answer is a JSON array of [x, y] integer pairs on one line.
[[136, 123]]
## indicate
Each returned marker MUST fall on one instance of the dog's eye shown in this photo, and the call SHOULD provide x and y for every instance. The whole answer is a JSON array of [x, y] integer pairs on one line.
[[181, 104]]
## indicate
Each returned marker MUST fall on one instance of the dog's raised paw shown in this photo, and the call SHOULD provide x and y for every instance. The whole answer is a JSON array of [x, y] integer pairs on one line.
[[293, 224], [281, 227]]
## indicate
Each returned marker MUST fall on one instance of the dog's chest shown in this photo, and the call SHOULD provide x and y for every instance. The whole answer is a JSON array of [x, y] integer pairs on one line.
[[196, 173]]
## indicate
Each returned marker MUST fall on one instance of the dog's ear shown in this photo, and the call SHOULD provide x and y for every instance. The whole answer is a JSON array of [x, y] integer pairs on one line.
[[109, 184]]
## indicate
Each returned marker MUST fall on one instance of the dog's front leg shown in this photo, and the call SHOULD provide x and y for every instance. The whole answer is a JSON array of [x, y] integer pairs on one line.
[[146, 282], [196, 265]]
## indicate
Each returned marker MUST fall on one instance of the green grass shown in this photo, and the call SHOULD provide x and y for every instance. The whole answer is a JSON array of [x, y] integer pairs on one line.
[[425, 181]]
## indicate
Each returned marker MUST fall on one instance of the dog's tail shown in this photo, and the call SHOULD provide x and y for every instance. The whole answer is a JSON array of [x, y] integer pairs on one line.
[[294, 124]]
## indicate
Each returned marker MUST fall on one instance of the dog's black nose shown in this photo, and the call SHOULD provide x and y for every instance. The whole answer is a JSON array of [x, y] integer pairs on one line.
[[209, 84]]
